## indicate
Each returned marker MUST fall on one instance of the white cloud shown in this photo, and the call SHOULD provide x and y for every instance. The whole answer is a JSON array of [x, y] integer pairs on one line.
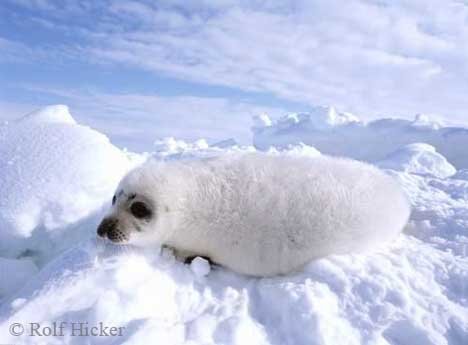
[[366, 56], [372, 57]]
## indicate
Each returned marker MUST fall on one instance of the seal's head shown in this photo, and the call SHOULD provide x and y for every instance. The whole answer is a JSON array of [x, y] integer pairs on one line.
[[130, 213], [142, 211]]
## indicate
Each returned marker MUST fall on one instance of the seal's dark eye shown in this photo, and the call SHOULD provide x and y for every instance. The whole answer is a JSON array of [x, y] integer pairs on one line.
[[140, 210], [114, 200]]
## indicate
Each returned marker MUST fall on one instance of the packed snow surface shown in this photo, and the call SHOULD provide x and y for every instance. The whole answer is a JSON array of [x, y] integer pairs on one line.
[[419, 159], [54, 172], [412, 291], [342, 134]]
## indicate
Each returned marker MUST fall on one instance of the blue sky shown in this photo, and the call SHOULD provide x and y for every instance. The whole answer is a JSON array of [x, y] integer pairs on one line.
[[149, 69]]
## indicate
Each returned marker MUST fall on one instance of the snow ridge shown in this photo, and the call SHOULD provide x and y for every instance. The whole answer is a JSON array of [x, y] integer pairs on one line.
[[342, 134]]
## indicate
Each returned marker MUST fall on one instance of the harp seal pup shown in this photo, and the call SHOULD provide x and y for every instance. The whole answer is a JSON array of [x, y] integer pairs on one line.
[[257, 214]]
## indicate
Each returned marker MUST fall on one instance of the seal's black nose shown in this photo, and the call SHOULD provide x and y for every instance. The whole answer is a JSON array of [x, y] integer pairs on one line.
[[107, 225]]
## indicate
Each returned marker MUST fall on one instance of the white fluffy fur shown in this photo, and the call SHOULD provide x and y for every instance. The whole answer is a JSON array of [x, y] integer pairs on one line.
[[264, 215]]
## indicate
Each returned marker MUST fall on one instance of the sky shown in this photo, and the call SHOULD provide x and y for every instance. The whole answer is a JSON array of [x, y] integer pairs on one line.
[[143, 70]]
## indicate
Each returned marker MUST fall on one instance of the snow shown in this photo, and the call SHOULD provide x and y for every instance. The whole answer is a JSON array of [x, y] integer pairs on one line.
[[171, 148], [171, 145], [342, 134], [296, 150], [419, 158], [200, 267], [226, 143], [18, 272], [412, 291], [54, 173], [51, 114]]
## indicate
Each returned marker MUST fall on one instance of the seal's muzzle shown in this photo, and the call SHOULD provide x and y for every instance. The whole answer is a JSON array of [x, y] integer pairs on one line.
[[108, 228]]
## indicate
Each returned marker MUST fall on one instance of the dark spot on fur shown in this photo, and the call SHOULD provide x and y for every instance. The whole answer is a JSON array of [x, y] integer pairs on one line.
[[131, 197], [292, 239]]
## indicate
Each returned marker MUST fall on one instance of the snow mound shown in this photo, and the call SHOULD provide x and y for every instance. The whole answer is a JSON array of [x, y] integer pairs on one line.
[[54, 172], [320, 118], [171, 145], [323, 118], [419, 158], [52, 113], [300, 149], [171, 148], [342, 134]]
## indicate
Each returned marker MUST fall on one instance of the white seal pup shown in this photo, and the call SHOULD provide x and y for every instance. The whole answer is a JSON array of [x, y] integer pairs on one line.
[[257, 214]]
